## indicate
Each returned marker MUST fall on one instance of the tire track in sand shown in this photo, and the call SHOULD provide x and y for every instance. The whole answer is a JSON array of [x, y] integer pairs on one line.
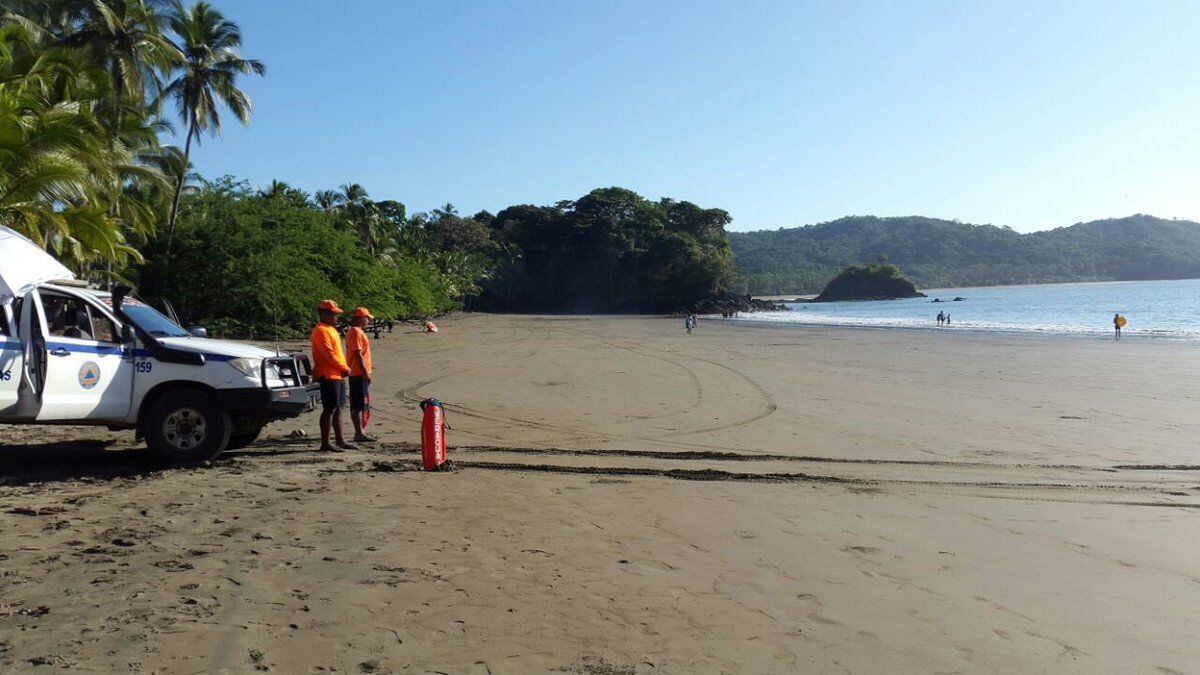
[[769, 403]]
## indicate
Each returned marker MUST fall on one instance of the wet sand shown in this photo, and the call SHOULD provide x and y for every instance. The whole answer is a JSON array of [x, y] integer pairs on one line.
[[633, 499]]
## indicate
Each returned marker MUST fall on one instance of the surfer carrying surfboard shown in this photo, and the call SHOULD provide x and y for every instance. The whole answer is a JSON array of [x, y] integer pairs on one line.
[[1118, 324]]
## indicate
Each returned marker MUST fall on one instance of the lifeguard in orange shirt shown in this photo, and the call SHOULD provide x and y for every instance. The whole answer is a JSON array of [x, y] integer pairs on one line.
[[330, 369], [358, 349]]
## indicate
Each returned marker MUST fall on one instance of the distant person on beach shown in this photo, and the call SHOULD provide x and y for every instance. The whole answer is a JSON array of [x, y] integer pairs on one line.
[[947, 318], [358, 349], [941, 319], [1118, 321], [330, 370]]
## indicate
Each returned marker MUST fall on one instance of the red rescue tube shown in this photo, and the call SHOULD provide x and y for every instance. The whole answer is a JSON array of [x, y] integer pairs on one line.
[[433, 435]]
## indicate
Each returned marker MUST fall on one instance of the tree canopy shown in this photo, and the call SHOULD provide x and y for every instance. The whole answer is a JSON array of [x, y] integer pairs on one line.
[[253, 263], [611, 250]]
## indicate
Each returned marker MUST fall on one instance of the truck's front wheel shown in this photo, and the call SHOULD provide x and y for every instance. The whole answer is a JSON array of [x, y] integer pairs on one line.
[[184, 426]]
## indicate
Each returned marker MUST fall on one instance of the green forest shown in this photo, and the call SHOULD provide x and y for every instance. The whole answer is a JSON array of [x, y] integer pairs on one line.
[[92, 90], [611, 250], [942, 253]]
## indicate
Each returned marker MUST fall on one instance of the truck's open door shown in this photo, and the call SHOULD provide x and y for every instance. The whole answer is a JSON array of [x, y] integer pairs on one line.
[[84, 373], [33, 360], [23, 266], [12, 359]]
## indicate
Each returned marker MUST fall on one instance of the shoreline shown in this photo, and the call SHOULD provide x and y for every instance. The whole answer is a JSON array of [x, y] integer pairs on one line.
[[770, 296], [1157, 310], [963, 328]]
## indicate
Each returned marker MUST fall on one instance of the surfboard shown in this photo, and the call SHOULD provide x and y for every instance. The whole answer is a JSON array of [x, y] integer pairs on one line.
[[1120, 322]]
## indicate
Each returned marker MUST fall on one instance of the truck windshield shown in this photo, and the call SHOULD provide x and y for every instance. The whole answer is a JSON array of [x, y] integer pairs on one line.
[[150, 320]]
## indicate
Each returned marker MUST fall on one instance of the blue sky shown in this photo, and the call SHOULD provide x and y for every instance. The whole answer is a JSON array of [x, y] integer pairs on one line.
[[1028, 114]]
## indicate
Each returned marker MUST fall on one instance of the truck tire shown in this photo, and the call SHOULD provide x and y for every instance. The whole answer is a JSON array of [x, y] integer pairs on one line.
[[184, 426], [242, 439]]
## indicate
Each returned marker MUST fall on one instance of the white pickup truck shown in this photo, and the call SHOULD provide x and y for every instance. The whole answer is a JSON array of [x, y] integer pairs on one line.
[[74, 355]]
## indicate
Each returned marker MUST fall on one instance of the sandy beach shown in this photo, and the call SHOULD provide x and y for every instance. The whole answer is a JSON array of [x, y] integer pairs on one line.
[[633, 499]]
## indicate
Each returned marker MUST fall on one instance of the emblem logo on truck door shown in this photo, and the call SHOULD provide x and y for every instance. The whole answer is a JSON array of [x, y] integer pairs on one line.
[[89, 374]]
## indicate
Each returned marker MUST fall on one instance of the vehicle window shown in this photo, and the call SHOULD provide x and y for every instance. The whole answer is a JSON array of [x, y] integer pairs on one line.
[[67, 317], [4, 332], [103, 328], [150, 320]]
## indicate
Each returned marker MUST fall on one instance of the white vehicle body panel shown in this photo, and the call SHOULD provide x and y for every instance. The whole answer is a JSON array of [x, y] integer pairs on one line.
[[25, 266], [84, 378]]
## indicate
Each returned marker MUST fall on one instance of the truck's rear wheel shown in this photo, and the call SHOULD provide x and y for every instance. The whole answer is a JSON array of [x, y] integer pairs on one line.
[[184, 426]]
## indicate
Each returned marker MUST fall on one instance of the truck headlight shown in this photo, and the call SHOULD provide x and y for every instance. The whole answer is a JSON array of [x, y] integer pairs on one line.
[[248, 367]]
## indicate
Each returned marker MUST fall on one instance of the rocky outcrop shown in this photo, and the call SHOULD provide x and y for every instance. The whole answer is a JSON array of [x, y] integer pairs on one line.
[[869, 282], [730, 303]]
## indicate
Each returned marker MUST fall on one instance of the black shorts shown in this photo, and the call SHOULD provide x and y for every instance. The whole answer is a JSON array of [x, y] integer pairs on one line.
[[358, 393], [333, 394]]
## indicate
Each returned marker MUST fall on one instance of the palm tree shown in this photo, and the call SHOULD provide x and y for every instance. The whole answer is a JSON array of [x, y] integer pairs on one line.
[[124, 36], [353, 193], [53, 165], [167, 162], [327, 200], [361, 215], [63, 170], [282, 192], [276, 190], [210, 45]]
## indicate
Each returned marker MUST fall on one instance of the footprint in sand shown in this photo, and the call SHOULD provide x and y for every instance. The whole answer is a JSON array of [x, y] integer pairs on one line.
[[865, 550]]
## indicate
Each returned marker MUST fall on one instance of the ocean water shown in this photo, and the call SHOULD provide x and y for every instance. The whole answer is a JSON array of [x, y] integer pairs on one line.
[[1165, 309]]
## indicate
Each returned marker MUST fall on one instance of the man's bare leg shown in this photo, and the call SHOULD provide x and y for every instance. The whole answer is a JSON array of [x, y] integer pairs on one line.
[[326, 420], [337, 431], [359, 436]]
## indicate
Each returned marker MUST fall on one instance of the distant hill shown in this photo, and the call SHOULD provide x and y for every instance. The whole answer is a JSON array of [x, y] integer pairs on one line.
[[941, 253]]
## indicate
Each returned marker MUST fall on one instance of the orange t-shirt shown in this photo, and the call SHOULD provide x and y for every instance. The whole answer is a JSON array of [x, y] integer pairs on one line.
[[356, 341], [329, 363]]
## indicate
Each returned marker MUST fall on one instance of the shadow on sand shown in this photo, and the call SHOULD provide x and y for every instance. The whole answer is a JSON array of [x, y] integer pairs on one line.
[[91, 460], [26, 463]]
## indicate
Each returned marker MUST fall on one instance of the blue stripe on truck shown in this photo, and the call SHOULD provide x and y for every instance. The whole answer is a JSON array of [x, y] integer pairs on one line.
[[108, 351], [102, 350]]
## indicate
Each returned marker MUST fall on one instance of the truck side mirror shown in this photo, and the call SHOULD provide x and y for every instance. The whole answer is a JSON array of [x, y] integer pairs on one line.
[[127, 333], [198, 331]]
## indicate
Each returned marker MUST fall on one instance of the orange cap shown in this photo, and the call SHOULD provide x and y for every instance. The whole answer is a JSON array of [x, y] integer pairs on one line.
[[329, 306], [362, 311]]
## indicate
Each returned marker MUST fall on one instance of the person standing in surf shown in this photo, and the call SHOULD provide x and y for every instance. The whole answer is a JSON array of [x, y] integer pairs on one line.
[[1118, 321]]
